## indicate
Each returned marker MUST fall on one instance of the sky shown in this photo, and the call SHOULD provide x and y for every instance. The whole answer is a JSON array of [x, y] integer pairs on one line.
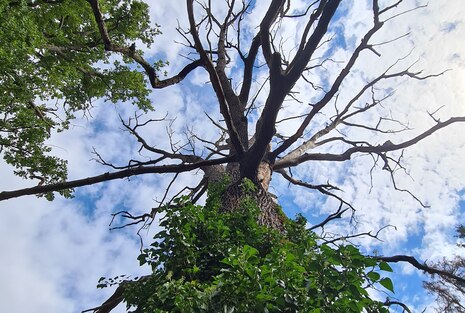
[[53, 253]]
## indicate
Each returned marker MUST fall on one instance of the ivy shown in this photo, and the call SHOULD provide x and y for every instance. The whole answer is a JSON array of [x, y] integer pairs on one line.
[[207, 261]]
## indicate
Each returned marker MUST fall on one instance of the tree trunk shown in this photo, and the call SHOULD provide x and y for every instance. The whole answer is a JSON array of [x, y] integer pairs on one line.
[[271, 214]]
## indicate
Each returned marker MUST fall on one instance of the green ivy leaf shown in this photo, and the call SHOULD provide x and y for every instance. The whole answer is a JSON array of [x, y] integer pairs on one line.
[[385, 267], [206, 261], [373, 276], [387, 283]]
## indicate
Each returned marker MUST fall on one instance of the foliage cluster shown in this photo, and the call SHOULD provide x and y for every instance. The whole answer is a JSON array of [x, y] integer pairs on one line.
[[53, 64], [206, 261]]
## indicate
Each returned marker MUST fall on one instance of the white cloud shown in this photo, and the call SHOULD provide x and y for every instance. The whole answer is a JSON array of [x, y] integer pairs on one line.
[[53, 255]]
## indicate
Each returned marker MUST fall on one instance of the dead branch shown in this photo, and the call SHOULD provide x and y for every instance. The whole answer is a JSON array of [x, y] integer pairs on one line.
[[329, 218], [424, 267], [172, 168], [324, 189], [358, 235], [155, 82], [330, 94], [218, 87], [281, 81], [115, 299], [379, 149], [392, 302]]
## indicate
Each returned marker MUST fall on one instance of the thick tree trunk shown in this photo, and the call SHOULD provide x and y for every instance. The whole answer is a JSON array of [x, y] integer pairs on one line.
[[270, 213]]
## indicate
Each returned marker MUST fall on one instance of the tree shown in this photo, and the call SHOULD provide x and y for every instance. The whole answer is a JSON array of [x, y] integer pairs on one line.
[[49, 65], [62, 56], [449, 292]]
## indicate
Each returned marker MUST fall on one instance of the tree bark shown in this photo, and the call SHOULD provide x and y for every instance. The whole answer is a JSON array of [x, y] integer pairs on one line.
[[270, 212]]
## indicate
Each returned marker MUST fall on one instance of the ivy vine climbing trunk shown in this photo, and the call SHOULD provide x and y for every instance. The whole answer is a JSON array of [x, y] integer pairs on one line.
[[235, 194]]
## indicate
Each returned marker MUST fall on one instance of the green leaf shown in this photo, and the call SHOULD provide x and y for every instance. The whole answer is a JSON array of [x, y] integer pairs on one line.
[[142, 258], [387, 283], [249, 251], [373, 276], [385, 267]]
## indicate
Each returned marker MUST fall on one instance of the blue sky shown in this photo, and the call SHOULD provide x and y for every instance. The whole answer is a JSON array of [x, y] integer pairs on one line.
[[55, 252]]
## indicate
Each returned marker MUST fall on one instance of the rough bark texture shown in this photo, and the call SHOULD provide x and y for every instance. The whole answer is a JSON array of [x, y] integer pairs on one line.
[[270, 212]]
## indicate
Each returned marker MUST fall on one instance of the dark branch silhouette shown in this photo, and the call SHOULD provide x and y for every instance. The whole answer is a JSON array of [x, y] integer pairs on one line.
[[176, 168], [418, 265]]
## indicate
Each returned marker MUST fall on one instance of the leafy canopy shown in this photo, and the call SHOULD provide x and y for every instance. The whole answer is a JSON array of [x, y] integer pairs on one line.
[[53, 64], [207, 261]]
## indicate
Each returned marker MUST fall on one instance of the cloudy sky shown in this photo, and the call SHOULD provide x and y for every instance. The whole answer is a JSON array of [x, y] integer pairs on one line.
[[53, 253]]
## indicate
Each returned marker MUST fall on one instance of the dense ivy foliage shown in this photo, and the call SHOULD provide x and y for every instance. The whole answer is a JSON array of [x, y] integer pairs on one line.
[[53, 64], [206, 261]]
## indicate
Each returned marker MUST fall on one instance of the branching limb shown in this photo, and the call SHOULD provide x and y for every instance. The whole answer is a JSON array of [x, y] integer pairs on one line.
[[324, 189], [281, 83], [145, 218], [188, 158], [323, 15], [337, 83], [115, 299], [155, 82], [172, 168], [391, 171], [270, 17], [377, 128], [359, 235], [249, 62], [379, 149], [389, 303], [329, 95], [216, 83], [390, 7], [418, 265], [329, 218], [136, 219]]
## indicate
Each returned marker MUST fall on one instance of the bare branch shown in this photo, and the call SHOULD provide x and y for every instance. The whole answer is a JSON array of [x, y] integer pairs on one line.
[[217, 85], [324, 189], [330, 94], [390, 7], [165, 154], [405, 12], [358, 235], [329, 218], [323, 15], [418, 265], [155, 82], [271, 15], [392, 302], [116, 298], [172, 168], [386, 147], [248, 69]]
